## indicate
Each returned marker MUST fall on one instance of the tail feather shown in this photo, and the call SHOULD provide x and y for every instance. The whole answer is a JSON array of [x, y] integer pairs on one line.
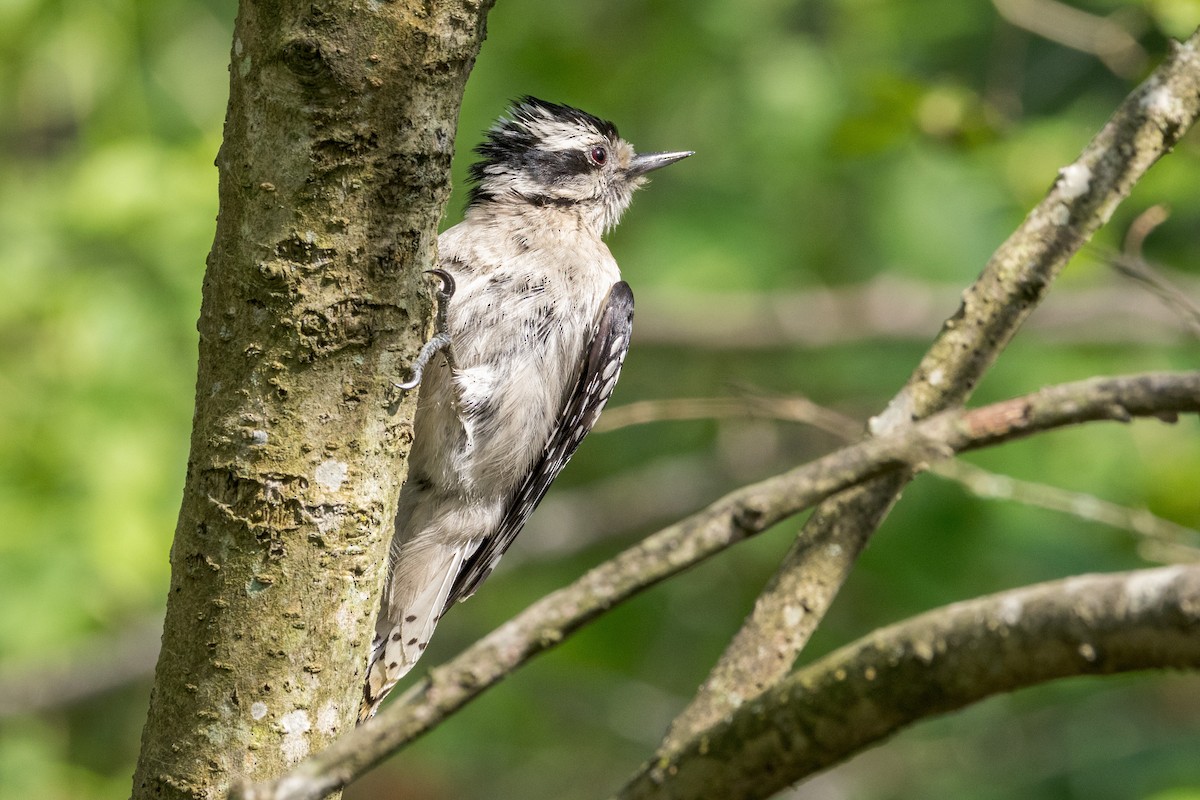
[[419, 591]]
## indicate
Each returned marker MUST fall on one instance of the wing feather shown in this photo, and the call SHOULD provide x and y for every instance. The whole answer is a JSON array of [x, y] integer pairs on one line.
[[598, 372]]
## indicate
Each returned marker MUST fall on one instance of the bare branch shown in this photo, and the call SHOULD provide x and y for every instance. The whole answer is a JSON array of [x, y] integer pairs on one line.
[[1132, 264], [1141, 228], [1167, 541], [931, 664], [886, 307], [734, 518], [1014, 281], [790, 409], [1079, 30]]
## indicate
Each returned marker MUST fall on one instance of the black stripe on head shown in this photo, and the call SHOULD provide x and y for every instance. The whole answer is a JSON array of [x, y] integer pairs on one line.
[[513, 141], [550, 168]]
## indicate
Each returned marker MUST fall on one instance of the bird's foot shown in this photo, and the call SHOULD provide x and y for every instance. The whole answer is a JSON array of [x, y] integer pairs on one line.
[[441, 336]]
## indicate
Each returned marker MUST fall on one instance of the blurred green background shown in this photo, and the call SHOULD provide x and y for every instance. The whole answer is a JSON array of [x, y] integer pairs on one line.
[[840, 145]]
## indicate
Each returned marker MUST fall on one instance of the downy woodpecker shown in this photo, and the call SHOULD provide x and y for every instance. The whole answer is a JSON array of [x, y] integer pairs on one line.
[[533, 324]]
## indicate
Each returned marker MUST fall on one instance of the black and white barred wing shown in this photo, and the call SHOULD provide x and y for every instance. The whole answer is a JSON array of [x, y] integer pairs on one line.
[[598, 373]]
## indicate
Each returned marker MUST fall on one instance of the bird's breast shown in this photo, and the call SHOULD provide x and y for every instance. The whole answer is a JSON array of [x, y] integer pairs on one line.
[[519, 322]]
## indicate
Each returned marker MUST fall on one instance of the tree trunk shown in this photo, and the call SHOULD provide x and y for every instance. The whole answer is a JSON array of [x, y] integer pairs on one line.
[[333, 176]]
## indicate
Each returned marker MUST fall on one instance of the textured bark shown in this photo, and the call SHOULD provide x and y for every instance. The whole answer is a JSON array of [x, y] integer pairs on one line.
[[931, 664], [1019, 274], [333, 176]]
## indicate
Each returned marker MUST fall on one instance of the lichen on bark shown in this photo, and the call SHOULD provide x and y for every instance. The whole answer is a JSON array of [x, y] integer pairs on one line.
[[333, 176]]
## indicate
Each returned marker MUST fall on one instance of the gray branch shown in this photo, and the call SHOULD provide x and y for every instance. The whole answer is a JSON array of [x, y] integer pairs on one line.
[[931, 664]]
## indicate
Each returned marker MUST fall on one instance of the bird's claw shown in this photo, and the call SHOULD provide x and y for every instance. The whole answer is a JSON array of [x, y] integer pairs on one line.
[[441, 336], [447, 290]]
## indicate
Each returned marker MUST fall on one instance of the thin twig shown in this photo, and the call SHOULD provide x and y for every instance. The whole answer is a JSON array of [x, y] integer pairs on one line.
[[1166, 541], [790, 409], [1079, 30], [1170, 541], [887, 307], [1133, 264]]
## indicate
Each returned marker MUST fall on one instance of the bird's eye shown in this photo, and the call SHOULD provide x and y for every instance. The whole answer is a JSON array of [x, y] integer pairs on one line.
[[598, 155]]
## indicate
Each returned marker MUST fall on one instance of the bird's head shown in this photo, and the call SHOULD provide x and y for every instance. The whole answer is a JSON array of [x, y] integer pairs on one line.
[[551, 155]]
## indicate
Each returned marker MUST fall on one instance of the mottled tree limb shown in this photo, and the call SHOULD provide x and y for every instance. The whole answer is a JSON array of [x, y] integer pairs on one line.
[[734, 518], [333, 175], [937, 662], [1016, 278]]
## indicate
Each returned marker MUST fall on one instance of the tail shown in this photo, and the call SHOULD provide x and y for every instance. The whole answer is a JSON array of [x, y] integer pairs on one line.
[[413, 602]]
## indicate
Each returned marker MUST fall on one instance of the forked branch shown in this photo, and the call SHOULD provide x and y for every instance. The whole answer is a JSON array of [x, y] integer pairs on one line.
[[939, 661], [1018, 275]]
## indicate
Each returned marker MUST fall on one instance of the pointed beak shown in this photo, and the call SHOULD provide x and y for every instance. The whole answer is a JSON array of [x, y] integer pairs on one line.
[[649, 162]]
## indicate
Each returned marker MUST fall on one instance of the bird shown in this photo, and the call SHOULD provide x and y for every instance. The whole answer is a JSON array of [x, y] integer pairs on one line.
[[532, 327]]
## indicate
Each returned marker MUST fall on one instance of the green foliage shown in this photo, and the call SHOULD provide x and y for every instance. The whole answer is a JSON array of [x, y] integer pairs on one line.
[[836, 142]]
